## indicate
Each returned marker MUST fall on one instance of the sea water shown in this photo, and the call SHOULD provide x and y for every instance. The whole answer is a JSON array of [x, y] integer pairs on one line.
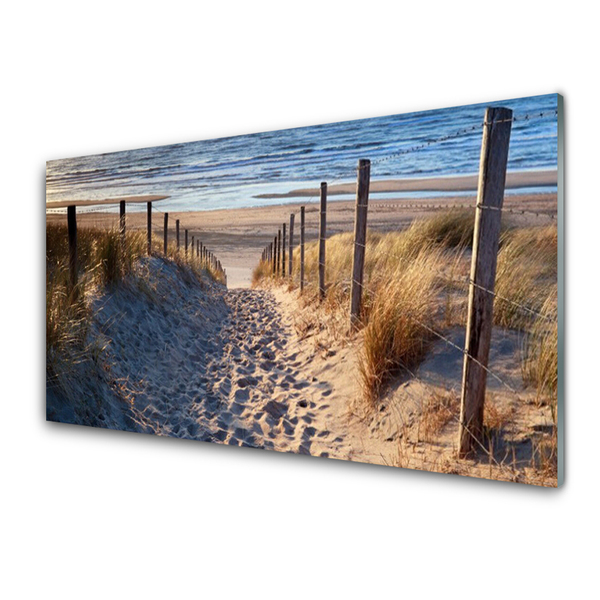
[[231, 172]]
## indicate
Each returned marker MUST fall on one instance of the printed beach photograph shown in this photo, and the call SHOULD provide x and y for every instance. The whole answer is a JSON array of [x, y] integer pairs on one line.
[[386, 290]]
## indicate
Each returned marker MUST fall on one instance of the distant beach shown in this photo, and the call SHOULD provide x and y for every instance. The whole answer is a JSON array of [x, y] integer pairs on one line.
[[238, 235]]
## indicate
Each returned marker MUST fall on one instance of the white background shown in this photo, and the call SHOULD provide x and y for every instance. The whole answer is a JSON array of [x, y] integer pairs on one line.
[[96, 514]]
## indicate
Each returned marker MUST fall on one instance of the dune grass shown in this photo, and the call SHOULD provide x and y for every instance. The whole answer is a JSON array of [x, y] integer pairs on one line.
[[418, 277], [526, 274], [103, 260], [402, 307], [404, 275], [541, 355], [261, 272]]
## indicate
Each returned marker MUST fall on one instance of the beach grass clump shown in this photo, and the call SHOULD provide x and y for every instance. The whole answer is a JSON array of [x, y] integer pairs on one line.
[[261, 272], [66, 314], [541, 355], [526, 274], [103, 259], [439, 409], [396, 335], [451, 229]]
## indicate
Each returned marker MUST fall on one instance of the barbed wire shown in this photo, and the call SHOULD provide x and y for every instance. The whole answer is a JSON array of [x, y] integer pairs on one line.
[[517, 211], [466, 282], [457, 134]]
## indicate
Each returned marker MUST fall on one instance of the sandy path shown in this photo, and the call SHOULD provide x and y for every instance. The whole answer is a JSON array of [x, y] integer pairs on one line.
[[256, 392], [216, 365]]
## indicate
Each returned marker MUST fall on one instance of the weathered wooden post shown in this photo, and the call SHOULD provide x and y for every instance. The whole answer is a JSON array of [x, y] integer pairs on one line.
[[149, 228], [186, 243], [360, 239], [301, 249], [122, 221], [192, 247], [166, 231], [72, 229], [198, 249], [274, 260], [278, 252], [283, 248], [490, 195], [177, 233], [201, 252], [291, 243], [322, 235]]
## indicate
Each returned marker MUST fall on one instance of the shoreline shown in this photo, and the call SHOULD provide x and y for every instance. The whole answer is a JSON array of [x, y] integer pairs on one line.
[[455, 183], [518, 182]]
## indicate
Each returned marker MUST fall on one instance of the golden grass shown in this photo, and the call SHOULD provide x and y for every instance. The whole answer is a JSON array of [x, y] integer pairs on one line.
[[541, 355], [418, 277], [103, 260], [261, 272], [401, 310], [525, 275], [438, 410]]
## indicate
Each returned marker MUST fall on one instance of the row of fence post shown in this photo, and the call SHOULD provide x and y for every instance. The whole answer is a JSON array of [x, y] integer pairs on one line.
[[207, 258], [274, 253], [490, 195]]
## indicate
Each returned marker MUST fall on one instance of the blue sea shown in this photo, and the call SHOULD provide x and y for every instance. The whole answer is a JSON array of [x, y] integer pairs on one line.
[[230, 172]]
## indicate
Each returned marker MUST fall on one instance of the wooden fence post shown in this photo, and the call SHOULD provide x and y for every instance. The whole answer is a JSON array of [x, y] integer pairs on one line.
[[274, 258], [122, 221], [301, 249], [360, 239], [490, 195], [292, 216], [192, 246], [278, 251], [198, 249], [166, 231], [186, 243], [283, 247], [177, 233], [322, 235], [149, 228], [72, 228]]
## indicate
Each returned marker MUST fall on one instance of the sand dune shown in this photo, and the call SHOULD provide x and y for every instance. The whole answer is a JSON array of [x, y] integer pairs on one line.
[[190, 359], [193, 360]]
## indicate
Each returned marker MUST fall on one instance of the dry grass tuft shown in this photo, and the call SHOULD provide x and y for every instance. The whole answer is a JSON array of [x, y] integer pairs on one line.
[[541, 355], [261, 272], [102, 260], [496, 416], [395, 336], [526, 274], [437, 411]]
